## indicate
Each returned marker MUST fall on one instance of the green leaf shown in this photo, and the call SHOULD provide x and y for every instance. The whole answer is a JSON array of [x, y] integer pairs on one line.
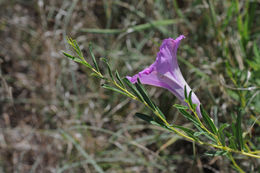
[[160, 112], [238, 127], [233, 94], [78, 60], [72, 57], [141, 89], [98, 76], [144, 117], [256, 52], [221, 134], [209, 123], [200, 133], [232, 142], [189, 117], [133, 89], [180, 106], [75, 46], [185, 92], [119, 79], [113, 89], [216, 153], [189, 99], [151, 120], [93, 58], [206, 134], [189, 132], [108, 67]]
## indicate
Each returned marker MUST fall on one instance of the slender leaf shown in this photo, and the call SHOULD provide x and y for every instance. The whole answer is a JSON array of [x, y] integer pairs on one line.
[[98, 76], [144, 117], [238, 127], [152, 120], [189, 98], [185, 92], [189, 117], [232, 142], [114, 89], [93, 58], [216, 153], [180, 107], [108, 67], [206, 134], [189, 132], [209, 123], [160, 112], [119, 79], [133, 89], [141, 89], [72, 57], [221, 134], [200, 133]]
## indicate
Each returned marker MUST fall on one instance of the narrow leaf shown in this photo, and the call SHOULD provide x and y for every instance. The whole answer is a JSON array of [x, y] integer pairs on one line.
[[141, 89], [133, 88], [216, 153], [189, 116], [221, 134], [151, 120], [72, 57], [160, 112], [93, 58], [209, 123], [114, 89], [189, 132], [206, 134], [119, 79], [180, 107], [200, 133], [144, 117], [189, 99], [185, 92], [232, 143], [108, 68], [239, 136]]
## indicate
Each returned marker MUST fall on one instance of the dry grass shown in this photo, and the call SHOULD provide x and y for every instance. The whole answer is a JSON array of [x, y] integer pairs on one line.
[[54, 117]]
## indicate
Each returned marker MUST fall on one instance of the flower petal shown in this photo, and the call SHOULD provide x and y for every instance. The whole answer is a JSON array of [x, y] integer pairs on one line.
[[165, 72]]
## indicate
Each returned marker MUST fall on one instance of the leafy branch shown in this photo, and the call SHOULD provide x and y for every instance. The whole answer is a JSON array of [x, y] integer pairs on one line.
[[207, 133]]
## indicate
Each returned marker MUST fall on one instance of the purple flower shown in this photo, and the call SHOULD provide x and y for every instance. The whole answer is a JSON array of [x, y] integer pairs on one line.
[[165, 72]]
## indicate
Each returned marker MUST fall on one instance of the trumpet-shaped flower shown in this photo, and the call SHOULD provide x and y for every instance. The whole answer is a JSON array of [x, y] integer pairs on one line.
[[165, 72]]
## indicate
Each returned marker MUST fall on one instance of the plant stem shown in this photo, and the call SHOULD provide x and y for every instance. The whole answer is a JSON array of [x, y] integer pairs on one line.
[[234, 163]]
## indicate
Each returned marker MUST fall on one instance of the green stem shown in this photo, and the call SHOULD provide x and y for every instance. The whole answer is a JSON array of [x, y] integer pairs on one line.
[[219, 146], [202, 125], [235, 164], [174, 129]]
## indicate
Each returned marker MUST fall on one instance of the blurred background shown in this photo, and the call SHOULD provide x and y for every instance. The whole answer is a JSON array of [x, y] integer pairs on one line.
[[55, 117]]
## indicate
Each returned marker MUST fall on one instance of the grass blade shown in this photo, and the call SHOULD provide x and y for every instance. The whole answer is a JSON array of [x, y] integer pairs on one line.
[[82, 151], [136, 28]]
